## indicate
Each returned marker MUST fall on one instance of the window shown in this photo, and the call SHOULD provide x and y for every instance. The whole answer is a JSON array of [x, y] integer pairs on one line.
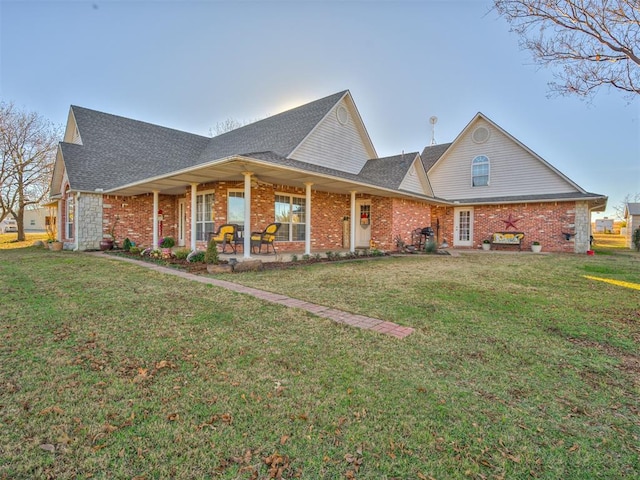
[[204, 215], [70, 215], [290, 213], [480, 171], [235, 207], [32, 222]]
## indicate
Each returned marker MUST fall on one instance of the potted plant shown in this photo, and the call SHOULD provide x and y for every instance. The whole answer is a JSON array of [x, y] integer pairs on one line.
[[109, 240], [536, 247], [166, 244], [486, 244]]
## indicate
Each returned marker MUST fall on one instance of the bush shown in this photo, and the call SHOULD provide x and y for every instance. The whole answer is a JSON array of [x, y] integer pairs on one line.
[[126, 245], [211, 257], [196, 257], [636, 238], [134, 250], [430, 247], [182, 253], [167, 242]]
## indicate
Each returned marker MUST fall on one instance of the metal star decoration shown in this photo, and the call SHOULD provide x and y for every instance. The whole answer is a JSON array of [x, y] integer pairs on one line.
[[511, 222]]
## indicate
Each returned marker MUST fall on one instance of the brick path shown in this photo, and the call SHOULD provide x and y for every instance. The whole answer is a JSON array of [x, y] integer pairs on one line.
[[338, 316]]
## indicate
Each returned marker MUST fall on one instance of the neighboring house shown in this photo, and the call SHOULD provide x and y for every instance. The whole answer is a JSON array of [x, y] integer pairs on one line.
[[315, 170], [604, 225], [35, 219], [632, 216]]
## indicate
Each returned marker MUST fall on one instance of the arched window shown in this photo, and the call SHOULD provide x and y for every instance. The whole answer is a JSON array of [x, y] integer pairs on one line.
[[480, 171]]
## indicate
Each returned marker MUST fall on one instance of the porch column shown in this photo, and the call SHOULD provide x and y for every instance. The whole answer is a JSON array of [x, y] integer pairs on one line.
[[307, 225], [352, 236], [155, 219], [246, 248], [194, 201]]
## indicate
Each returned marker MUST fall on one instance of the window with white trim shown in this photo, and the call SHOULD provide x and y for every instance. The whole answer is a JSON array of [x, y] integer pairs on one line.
[[204, 215], [480, 171], [70, 214], [235, 207], [290, 212]]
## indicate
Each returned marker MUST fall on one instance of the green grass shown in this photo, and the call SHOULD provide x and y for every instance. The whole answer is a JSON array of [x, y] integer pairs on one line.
[[519, 367]]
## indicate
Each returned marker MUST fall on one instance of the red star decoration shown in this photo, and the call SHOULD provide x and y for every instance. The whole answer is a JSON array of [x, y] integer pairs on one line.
[[511, 222]]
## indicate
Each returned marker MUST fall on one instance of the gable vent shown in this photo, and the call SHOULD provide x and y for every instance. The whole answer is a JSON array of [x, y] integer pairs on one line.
[[480, 135]]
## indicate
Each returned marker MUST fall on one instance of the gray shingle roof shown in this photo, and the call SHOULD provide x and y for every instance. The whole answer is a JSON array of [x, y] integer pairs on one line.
[[431, 154], [279, 134], [117, 151], [527, 198], [389, 171], [633, 208]]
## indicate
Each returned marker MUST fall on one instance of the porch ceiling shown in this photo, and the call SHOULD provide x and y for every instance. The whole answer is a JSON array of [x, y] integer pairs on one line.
[[231, 170]]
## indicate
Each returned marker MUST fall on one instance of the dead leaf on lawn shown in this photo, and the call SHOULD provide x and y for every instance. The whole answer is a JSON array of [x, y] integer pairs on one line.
[[574, 447], [54, 409], [48, 447]]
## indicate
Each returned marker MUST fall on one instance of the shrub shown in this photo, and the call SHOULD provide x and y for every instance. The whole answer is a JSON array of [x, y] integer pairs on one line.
[[126, 245], [167, 242], [306, 257], [211, 257], [636, 238], [294, 258], [430, 247], [195, 257], [182, 253], [134, 250]]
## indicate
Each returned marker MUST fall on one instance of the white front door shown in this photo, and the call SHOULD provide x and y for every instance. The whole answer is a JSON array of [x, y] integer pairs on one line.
[[182, 221], [463, 227], [363, 223]]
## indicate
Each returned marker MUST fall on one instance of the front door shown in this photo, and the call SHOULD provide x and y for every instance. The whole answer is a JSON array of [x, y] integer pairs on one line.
[[182, 221], [363, 223], [463, 227]]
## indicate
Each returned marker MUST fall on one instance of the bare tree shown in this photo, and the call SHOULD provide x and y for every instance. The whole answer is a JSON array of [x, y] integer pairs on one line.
[[28, 143], [620, 208], [593, 42], [226, 126]]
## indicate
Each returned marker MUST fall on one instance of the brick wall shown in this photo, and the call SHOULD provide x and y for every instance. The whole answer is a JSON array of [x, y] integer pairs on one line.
[[543, 222], [394, 218]]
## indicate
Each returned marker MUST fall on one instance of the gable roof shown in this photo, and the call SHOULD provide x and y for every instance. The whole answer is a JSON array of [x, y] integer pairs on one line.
[[388, 171], [432, 153], [632, 209], [280, 133]]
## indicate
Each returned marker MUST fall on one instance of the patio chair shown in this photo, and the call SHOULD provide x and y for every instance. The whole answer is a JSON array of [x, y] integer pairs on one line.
[[225, 235], [266, 237]]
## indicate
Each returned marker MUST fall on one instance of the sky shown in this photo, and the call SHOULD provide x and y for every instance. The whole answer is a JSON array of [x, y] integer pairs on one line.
[[189, 65]]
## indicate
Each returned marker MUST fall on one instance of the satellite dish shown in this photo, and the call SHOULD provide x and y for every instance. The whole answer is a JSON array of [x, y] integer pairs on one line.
[[433, 120]]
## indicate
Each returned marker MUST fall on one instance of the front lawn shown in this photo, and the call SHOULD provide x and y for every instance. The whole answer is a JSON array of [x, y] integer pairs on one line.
[[520, 367]]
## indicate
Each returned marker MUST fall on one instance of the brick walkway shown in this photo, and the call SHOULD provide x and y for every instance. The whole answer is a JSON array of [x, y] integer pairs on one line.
[[338, 316]]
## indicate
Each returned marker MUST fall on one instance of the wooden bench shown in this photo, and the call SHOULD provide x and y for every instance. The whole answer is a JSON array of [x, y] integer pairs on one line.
[[507, 238]]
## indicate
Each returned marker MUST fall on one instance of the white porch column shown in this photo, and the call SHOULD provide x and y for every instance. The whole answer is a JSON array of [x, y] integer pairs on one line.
[[155, 219], [352, 233], [307, 226], [246, 248], [194, 197]]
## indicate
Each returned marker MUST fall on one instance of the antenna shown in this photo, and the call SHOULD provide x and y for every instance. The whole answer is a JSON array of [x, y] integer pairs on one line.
[[433, 120]]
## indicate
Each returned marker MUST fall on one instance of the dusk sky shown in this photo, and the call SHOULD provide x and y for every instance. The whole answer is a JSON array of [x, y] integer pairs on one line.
[[189, 65]]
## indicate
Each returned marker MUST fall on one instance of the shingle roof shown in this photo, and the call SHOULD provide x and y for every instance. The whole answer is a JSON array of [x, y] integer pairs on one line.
[[633, 208], [527, 198], [117, 151], [389, 171], [279, 134], [431, 154]]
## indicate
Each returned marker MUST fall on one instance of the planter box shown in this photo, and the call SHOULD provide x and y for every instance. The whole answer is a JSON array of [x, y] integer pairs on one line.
[[536, 248], [222, 268]]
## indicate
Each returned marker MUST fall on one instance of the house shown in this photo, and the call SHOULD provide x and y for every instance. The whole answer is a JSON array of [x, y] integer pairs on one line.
[[315, 170], [604, 225], [36, 219], [632, 217]]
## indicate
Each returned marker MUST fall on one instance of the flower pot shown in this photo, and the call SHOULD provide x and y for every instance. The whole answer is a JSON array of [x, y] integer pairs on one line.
[[486, 246], [536, 248], [106, 244], [56, 246]]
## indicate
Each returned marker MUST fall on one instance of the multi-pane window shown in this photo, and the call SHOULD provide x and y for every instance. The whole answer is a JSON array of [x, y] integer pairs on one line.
[[480, 171], [290, 212], [70, 213], [204, 215], [235, 207]]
